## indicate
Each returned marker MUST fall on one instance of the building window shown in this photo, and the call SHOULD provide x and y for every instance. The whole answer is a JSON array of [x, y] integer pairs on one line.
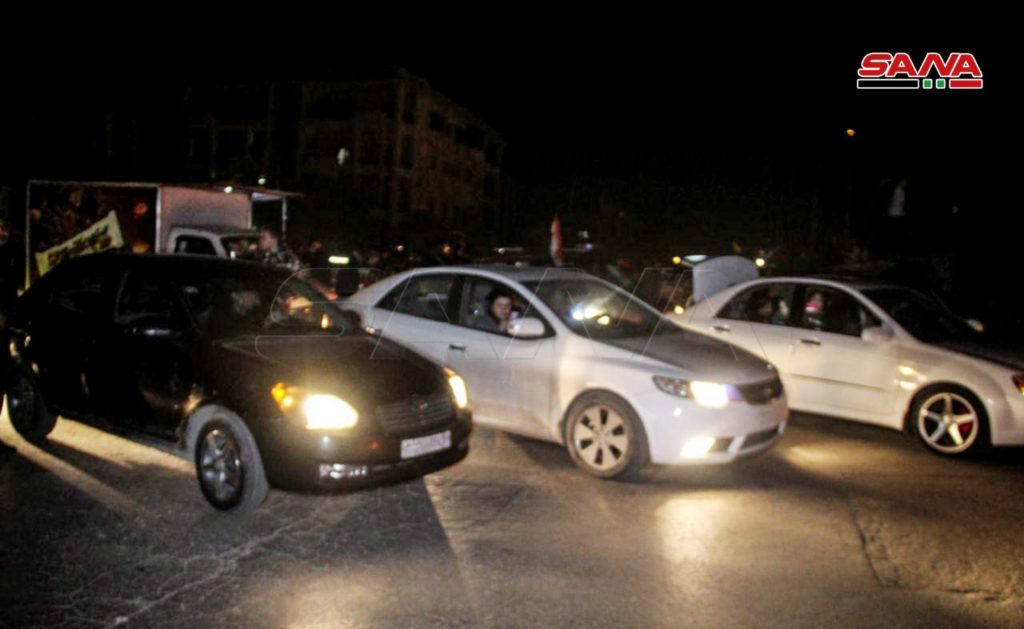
[[408, 151]]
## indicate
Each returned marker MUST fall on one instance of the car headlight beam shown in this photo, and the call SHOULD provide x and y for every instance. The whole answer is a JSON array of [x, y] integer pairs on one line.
[[329, 412], [708, 394], [458, 387], [321, 411]]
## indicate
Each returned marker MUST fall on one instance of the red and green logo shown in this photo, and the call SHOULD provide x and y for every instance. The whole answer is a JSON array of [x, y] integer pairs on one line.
[[897, 71]]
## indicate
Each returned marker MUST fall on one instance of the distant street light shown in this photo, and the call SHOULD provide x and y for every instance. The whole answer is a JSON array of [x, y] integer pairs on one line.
[[342, 156], [851, 132]]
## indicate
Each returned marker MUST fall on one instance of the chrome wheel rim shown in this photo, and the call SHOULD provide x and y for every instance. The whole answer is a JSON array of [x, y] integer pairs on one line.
[[221, 465], [948, 423], [600, 438]]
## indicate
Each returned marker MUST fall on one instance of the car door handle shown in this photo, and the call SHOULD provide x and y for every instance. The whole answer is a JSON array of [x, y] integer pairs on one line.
[[810, 341], [721, 328], [457, 348]]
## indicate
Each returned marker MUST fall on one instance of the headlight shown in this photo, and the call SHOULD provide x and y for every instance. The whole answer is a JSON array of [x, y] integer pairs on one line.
[[329, 412], [458, 387], [1018, 381], [709, 394], [321, 411]]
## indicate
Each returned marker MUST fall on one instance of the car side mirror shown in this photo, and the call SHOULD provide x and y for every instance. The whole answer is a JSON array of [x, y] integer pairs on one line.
[[877, 334], [976, 325], [527, 328]]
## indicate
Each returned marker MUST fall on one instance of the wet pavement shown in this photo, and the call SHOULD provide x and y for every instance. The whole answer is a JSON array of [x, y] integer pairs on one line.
[[839, 525]]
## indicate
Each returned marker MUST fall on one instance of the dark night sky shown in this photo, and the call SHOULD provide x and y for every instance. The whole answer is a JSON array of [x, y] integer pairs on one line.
[[633, 99]]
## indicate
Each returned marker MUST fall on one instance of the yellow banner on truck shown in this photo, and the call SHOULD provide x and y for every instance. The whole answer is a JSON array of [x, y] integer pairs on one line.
[[100, 236]]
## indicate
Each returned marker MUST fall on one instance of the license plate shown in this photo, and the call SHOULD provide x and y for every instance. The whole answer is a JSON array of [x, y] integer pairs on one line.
[[425, 445]]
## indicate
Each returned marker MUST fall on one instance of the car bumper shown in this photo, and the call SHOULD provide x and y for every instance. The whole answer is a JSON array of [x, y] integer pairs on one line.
[[680, 432], [313, 461]]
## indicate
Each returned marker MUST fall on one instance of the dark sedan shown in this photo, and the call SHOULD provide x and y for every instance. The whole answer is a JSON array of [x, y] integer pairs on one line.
[[243, 367]]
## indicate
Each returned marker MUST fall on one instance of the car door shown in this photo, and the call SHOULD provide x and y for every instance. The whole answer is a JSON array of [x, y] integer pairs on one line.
[[142, 367], [758, 320], [420, 313], [833, 370], [509, 378], [63, 334]]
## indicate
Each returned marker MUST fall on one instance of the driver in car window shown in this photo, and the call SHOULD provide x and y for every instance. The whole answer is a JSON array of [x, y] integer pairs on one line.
[[499, 311]]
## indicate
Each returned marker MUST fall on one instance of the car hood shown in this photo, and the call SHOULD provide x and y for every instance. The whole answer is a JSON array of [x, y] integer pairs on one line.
[[986, 350], [364, 369], [701, 357]]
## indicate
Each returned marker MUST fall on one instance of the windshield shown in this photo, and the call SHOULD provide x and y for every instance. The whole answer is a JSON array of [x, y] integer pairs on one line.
[[594, 309], [926, 319], [246, 300]]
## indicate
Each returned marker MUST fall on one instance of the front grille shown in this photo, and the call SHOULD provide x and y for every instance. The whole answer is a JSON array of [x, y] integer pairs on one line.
[[415, 415], [757, 438], [761, 392]]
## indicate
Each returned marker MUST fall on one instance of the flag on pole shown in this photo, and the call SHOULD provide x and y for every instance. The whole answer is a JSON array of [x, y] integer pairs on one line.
[[556, 242]]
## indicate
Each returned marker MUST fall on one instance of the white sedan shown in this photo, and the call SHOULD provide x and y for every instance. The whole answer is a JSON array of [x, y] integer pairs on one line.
[[876, 353], [582, 364]]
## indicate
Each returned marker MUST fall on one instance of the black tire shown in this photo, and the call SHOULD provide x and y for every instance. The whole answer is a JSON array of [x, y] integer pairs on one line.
[[949, 420], [229, 467], [26, 408], [605, 437]]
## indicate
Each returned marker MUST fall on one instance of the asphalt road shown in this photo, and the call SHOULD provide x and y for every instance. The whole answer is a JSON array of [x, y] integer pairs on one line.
[[839, 525]]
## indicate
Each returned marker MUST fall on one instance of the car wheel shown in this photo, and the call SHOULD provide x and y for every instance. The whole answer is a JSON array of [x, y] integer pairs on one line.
[[26, 408], [950, 420], [605, 436], [228, 465]]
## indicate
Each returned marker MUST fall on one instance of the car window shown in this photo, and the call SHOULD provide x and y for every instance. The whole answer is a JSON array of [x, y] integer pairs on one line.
[[925, 318], [484, 302], [424, 296], [825, 309], [765, 303], [82, 293], [592, 308], [143, 295], [194, 244], [230, 299]]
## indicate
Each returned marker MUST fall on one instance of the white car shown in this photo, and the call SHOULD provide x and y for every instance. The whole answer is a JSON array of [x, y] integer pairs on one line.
[[583, 365], [876, 353]]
